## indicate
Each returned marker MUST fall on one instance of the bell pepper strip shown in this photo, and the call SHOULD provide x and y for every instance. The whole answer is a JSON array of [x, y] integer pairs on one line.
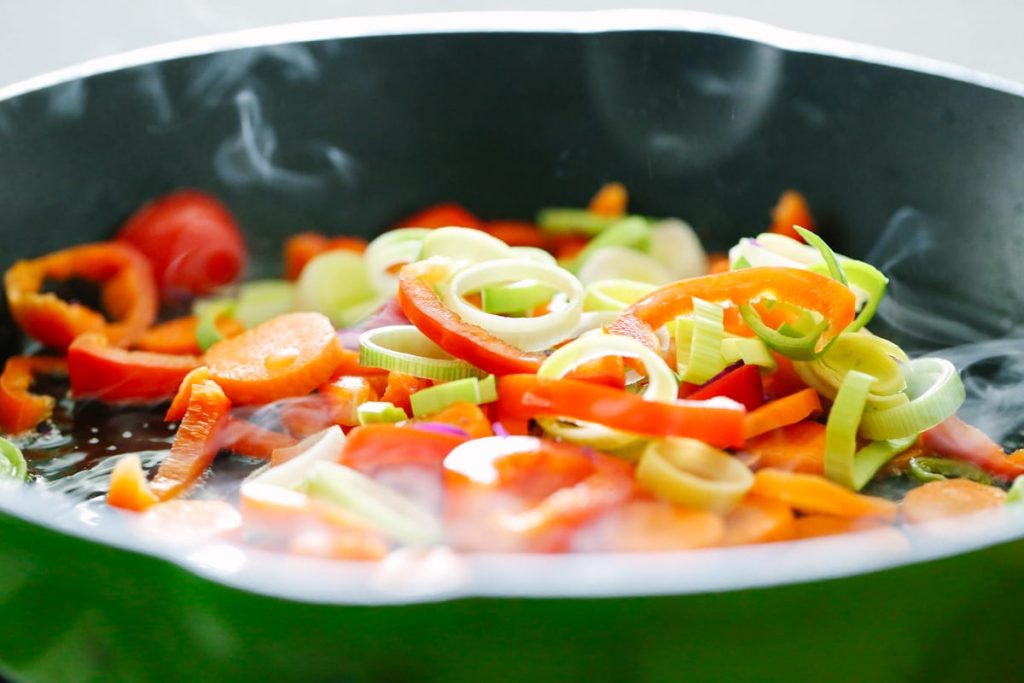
[[516, 233], [427, 311], [98, 370], [400, 387], [742, 384], [304, 416], [759, 520], [290, 355], [813, 494], [784, 380], [128, 487], [611, 200], [245, 438], [833, 301], [178, 336], [958, 440], [950, 497], [128, 292], [791, 210], [718, 422], [781, 412], [442, 215], [609, 371], [378, 446], [300, 250], [468, 417], [798, 447], [196, 442], [179, 404], [20, 409]]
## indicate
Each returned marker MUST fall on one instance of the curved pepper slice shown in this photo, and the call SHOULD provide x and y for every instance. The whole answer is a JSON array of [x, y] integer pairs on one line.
[[128, 293], [98, 370], [20, 409], [718, 422], [475, 345], [814, 292]]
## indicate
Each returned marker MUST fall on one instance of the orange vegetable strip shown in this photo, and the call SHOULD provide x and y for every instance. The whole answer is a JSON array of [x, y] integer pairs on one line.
[[466, 416], [178, 336], [782, 412], [98, 370], [179, 404], [346, 394], [516, 233], [401, 387], [759, 520], [718, 262], [129, 489], [791, 210], [441, 216], [289, 355], [814, 494], [349, 365], [196, 442], [956, 439], [814, 526], [128, 291], [20, 409], [797, 447], [950, 497], [610, 200]]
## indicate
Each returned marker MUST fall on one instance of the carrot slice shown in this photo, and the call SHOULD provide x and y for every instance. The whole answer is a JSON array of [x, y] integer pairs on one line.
[[349, 365], [782, 412], [610, 200], [441, 216], [289, 355], [791, 210], [798, 447], [129, 489], [178, 336], [245, 438], [20, 409], [950, 497], [345, 395], [196, 443], [814, 526], [758, 520], [401, 387], [811, 493], [180, 402]]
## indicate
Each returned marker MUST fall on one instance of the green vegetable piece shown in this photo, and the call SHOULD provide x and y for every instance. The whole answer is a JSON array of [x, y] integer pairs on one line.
[[562, 220], [794, 348], [829, 256], [926, 469], [12, 462], [436, 398], [633, 233], [380, 411], [1016, 493], [208, 313]]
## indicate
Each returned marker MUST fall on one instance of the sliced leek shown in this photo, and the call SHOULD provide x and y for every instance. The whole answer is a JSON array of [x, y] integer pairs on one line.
[[750, 350], [336, 284], [291, 474], [701, 358], [403, 348], [464, 246], [862, 351], [874, 456], [12, 462], [692, 473], [562, 220], [835, 269], [615, 294], [389, 251], [436, 398], [935, 392], [631, 233], [515, 297], [676, 246], [207, 315], [530, 334], [841, 429], [803, 347], [260, 300], [610, 263], [379, 411]]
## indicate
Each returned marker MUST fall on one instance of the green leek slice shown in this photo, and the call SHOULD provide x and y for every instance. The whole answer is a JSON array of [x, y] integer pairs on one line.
[[558, 220], [794, 348], [464, 246], [676, 246], [702, 357], [207, 315], [615, 294], [515, 297], [403, 348], [336, 284], [827, 255], [692, 473], [874, 456], [935, 392], [380, 411], [1015, 495], [12, 462], [841, 428], [862, 351], [392, 249], [436, 398], [750, 350], [622, 263], [631, 233]]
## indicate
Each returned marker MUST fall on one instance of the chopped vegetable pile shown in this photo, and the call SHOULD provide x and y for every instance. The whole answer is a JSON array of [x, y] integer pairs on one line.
[[594, 381]]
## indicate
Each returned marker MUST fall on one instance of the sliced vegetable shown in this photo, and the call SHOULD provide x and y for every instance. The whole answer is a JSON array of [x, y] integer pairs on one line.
[[378, 446], [401, 387], [389, 252], [781, 412], [440, 216], [336, 284], [560, 220], [516, 297], [835, 269], [718, 422], [196, 442], [98, 370], [12, 462], [958, 440], [935, 392], [302, 248], [656, 526], [620, 263], [759, 520], [438, 397], [867, 353], [260, 300], [743, 385], [813, 494], [207, 322], [128, 488], [791, 210], [797, 447], [614, 295], [691, 473], [403, 348], [251, 440], [676, 246], [20, 409], [926, 469], [841, 430], [126, 284], [631, 233], [465, 417], [380, 411], [699, 354], [610, 200], [287, 356], [463, 246], [937, 500], [751, 351], [178, 336]]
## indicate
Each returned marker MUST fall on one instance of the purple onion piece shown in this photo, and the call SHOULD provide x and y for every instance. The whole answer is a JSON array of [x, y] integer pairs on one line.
[[440, 428], [499, 429]]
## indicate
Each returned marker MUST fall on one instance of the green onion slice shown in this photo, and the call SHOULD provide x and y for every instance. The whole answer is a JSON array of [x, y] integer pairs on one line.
[[622, 263], [701, 358], [796, 348], [692, 473], [436, 398], [390, 250], [12, 462], [828, 256], [615, 295], [529, 334], [558, 220], [935, 392], [661, 384], [464, 246], [376, 504], [515, 297], [380, 411], [533, 254], [336, 284], [403, 348], [207, 315], [926, 469]]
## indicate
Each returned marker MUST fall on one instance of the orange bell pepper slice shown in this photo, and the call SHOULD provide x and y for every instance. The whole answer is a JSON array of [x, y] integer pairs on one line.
[[128, 293], [610, 200], [20, 409], [98, 370], [791, 210]]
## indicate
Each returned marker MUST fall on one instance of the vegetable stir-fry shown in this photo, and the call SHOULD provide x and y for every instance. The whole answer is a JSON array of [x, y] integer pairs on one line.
[[591, 381]]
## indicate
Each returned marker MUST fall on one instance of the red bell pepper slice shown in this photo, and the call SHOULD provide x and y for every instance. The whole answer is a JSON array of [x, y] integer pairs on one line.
[[527, 396], [377, 446], [473, 344], [956, 439], [20, 409], [98, 370], [833, 300], [127, 287], [441, 216], [742, 384]]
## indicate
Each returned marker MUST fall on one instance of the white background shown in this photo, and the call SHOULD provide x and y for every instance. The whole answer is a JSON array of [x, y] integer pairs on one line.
[[41, 35]]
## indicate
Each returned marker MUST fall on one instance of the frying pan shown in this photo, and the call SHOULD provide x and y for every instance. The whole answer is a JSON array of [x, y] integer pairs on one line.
[[345, 126]]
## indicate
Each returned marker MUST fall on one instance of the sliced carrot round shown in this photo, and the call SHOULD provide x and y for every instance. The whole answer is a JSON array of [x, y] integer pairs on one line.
[[290, 355], [758, 520], [949, 498]]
